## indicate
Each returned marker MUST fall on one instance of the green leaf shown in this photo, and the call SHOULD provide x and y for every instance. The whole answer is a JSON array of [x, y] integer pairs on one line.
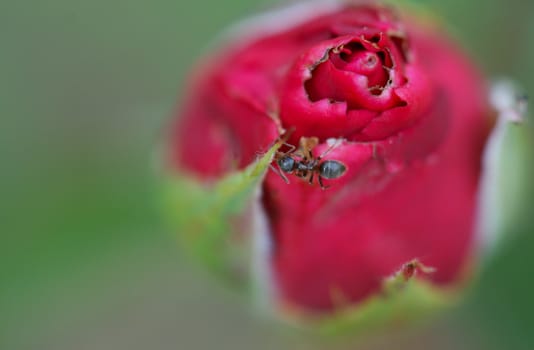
[[213, 220]]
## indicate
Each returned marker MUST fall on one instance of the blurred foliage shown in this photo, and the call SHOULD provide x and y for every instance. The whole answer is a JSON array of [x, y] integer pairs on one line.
[[87, 87]]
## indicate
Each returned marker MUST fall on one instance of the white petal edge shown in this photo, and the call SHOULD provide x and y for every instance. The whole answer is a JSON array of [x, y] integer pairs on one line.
[[503, 173], [263, 283]]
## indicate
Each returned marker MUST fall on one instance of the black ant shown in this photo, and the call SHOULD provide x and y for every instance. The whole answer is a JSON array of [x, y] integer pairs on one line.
[[304, 165]]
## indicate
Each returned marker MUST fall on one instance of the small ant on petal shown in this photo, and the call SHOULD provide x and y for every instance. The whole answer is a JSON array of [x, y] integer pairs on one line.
[[304, 165]]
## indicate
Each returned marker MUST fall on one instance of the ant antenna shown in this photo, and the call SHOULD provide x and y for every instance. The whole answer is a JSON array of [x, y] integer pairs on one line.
[[334, 145]]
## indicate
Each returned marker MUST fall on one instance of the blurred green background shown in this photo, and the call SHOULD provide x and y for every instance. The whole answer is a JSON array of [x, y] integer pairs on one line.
[[85, 259]]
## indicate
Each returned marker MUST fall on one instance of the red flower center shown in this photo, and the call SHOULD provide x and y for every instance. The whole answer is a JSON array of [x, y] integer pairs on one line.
[[348, 69]]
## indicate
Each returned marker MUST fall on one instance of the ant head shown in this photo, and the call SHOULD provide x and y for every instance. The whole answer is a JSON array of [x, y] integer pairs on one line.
[[331, 169], [286, 164]]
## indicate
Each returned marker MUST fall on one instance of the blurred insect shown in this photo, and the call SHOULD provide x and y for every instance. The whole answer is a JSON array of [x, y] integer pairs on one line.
[[405, 273], [304, 165], [409, 269]]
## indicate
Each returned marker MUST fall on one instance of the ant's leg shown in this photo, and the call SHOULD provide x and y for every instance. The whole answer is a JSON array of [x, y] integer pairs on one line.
[[323, 187], [291, 147], [285, 137], [279, 172], [279, 155], [311, 179]]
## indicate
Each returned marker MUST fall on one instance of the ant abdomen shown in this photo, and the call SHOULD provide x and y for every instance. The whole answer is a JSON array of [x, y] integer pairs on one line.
[[331, 169]]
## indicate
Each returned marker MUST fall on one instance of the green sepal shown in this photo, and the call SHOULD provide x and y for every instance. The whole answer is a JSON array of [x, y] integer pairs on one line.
[[206, 215], [400, 301]]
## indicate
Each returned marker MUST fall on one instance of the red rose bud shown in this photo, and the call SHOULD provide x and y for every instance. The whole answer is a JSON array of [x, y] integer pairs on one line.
[[383, 122]]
